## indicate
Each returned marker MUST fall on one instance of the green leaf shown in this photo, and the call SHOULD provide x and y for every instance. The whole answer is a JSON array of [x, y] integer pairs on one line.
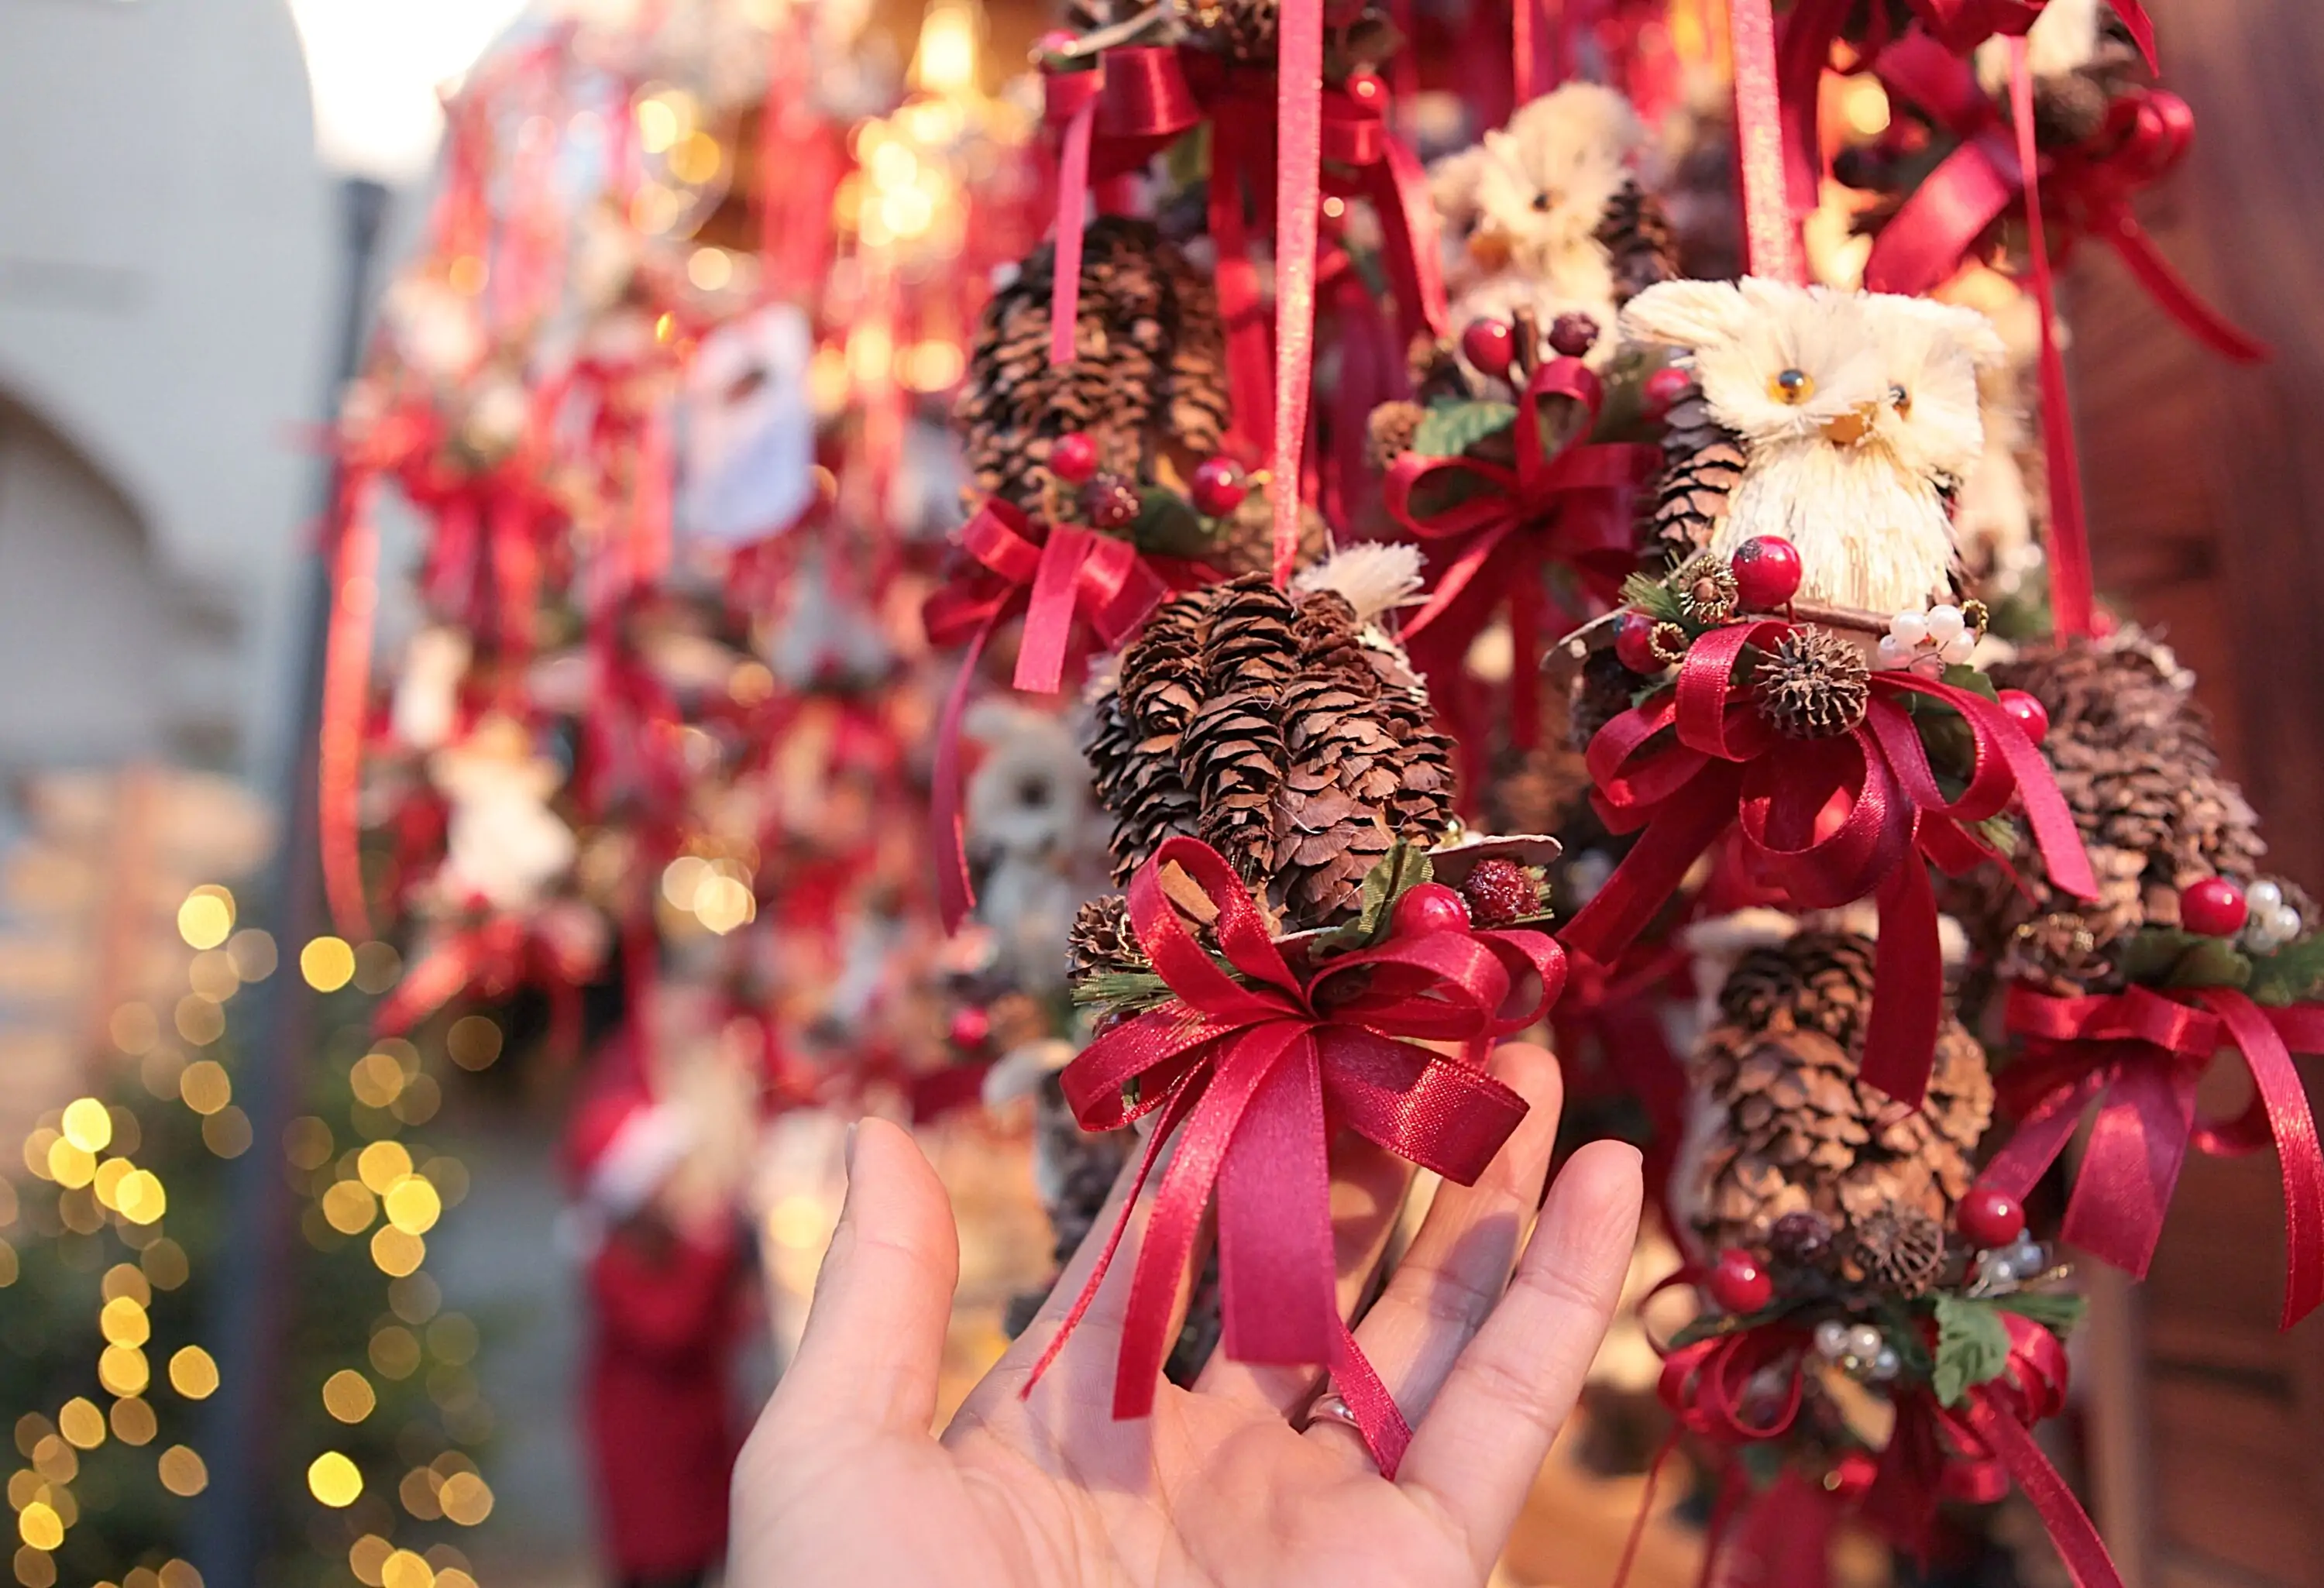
[[1972, 1346], [1961, 676], [2294, 973], [2212, 962], [1168, 526], [1405, 865], [1654, 598], [1450, 428], [2147, 957], [2058, 1311]]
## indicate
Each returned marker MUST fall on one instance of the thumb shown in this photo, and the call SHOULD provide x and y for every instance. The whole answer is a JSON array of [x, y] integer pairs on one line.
[[875, 1332]]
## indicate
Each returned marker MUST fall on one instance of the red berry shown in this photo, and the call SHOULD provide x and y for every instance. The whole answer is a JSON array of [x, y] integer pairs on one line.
[[2029, 714], [2213, 908], [1739, 1284], [1072, 457], [1634, 643], [1491, 345], [1220, 487], [1767, 572], [1666, 386], [1851, 1476], [972, 1028], [1429, 906], [1110, 503], [1988, 1218], [1499, 891], [1573, 334]]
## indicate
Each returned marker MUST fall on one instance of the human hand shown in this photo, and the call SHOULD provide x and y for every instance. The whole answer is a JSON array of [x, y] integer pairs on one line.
[[844, 1485]]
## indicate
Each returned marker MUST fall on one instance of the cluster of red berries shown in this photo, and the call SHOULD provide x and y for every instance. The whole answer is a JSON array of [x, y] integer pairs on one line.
[[1110, 500]]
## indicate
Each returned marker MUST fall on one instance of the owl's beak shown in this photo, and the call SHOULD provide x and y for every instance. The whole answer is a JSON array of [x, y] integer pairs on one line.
[[1489, 248], [1853, 426]]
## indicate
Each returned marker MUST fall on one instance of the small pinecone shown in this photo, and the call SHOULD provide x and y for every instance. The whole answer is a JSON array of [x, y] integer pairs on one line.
[[1247, 541], [1602, 690], [1390, 430], [2070, 109], [1638, 234], [1813, 685], [1421, 809], [2134, 758], [1800, 1131], [1331, 642], [1147, 371], [1702, 462], [1897, 1249], [1248, 643], [1133, 753], [1343, 773], [1232, 756], [1101, 943], [1243, 30]]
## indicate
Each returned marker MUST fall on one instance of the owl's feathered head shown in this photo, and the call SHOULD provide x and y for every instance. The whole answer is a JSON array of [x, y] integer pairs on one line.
[[1780, 364], [1542, 184]]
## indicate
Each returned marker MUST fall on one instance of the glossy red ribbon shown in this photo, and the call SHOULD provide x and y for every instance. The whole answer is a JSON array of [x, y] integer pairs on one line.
[[1072, 579], [1498, 525], [1976, 1451], [1829, 820], [2139, 1055], [1771, 206], [1252, 1076]]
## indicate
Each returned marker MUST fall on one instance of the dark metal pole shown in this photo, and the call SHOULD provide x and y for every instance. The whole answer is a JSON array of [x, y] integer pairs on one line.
[[245, 1312]]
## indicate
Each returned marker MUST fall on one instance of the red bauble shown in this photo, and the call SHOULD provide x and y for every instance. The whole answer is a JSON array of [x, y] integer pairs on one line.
[[1666, 386], [1634, 643], [1739, 1284], [1573, 334], [1072, 457], [1491, 345], [972, 1028], [1767, 572], [1989, 1218], [1429, 906], [2029, 713], [1220, 487], [2213, 908], [1499, 891]]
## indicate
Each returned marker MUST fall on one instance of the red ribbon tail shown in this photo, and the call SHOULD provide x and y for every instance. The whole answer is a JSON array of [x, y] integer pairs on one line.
[[2130, 1165], [955, 895], [2040, 1138], [1650, 876], [1049, 614], [1298, 207], [1385, 1432], [1900, 1041], [2072, 595], [1772, 242], [2170, 289], [1072, 209], [1277, 1277], [2069, 1528], [2299, 1157]]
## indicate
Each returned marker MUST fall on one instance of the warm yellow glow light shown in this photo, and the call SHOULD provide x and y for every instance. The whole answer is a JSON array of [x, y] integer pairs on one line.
[[334, 1480]]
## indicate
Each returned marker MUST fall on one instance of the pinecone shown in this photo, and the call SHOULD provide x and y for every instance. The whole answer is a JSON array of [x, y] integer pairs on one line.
[[1897, 1249], [2134, 757], [1243, 30], [1134, 752], [1100, 942], [1702, 462], [1602, 690], [1331, 810], [1247, 643], [1147, 375], [1421, 809], [1638, 234], [1247, 539], [1799, 1133], [1232, 756], [1813, 685], [1331, 642], [1390, 431]]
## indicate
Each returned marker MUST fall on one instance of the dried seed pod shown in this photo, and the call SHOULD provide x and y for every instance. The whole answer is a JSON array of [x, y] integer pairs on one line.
[[1814, 685]]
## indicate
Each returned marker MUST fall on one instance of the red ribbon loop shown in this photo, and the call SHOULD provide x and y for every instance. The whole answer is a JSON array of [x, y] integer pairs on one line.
[[1829, 821], [1251, 1072], [2139, 1054]]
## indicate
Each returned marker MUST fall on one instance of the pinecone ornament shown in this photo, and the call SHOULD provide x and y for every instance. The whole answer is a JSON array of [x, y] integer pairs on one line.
[[1702, 462], [1133, 752], [1898, 1249], [1100, 942], [1792, 1128], [1147, 380], [2134, 757], [1637, 235]]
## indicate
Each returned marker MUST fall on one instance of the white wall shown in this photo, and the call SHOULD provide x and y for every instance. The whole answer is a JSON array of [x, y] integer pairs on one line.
[[168, 267]]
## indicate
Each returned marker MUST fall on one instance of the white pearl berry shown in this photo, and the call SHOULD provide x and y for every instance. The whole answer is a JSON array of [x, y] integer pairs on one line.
[[2264, 897], [1945, 624], [2284, 922], [1956, 649], [1864, 1343], [1887, 1365], [1908, 629], [1831, 1338]]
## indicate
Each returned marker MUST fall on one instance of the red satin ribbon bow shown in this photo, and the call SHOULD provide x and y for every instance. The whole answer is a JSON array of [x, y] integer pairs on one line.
[[1253, 1079], [2139, 1055], [1501, 523], [1071, 576], [1830, 820], [2087, 189], [1974, 1452]]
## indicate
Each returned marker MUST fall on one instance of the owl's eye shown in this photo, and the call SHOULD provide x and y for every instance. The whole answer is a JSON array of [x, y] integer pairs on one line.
[[1793, 386], [1901, 401], [1545, 202]]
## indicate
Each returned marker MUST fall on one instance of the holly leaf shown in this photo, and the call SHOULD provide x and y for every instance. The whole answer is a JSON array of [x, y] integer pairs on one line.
[[1961, 676], [1450, 428], [2211, 961], [2294, 973], [2148, 955], [1405, 865], [2058, 1311], [1168, 526], [1972, 1346]]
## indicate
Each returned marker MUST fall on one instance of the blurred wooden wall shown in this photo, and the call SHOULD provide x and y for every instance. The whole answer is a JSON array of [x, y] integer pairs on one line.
[[2206, 493]]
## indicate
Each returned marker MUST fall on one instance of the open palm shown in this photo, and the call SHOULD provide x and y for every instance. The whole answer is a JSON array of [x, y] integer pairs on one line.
[[844, 1484]]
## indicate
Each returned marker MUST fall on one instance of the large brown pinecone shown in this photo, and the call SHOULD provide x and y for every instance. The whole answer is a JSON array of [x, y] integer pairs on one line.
[[1638, 234], [2134, 757], [1702, 462], [1133, 753], [1148, 377], [1797, 1130]]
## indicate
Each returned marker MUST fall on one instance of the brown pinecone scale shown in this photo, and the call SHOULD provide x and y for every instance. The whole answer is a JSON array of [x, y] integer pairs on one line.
[[1796, 1131], [1637, 235], [1701, 463]]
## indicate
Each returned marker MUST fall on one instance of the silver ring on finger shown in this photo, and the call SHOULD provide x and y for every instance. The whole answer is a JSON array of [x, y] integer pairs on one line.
[[1332, 1408]]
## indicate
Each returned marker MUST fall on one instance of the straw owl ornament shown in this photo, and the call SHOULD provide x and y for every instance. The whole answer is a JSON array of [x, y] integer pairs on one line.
[[1855, 416]]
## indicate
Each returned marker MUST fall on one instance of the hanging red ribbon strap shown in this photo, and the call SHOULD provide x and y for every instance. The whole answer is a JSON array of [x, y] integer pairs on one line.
[[1070, 582], [346, 687], [2139, 1055], [1251, 1073], [1829, 821]]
